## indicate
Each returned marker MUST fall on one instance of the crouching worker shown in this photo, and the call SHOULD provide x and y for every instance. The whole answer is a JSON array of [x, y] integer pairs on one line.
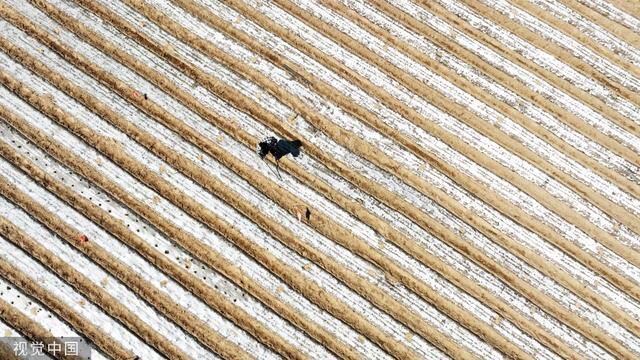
[[278, 148]]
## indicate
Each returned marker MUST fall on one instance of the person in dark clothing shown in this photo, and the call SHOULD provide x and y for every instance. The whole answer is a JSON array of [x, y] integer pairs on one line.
[[266, 146], [278, 148]]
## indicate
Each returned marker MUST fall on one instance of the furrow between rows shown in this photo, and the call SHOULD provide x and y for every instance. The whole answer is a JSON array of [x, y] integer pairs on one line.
[[388, 267], [80, 282], [572, 52], [511, 113], [402, 157], [421, 329], [611, 34], [124, 101], [610, 242], [185, 184], [395, 104], [523, 89], [90, 323], [627, 6], [478, 157], [614, 13]]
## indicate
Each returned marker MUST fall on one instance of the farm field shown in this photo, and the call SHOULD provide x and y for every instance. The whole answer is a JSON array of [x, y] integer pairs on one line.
[[468, 185]]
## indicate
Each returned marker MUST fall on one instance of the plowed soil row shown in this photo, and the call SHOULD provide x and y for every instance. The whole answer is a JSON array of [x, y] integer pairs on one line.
[[477, 256], [28, 328], [189, 242], [310, 290], [494, 199], [163, 303], [87, 288], [507, 81], [574, 33], [364, 149], [392, 234], [337, 233], [536, 40], [611, 26], [606, 205]]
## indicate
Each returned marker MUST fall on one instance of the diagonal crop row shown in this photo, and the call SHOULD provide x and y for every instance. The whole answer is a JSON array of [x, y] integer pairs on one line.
[[87, 288], [594, 103], [493, 199], [146, 291], [394, 235], [571, 31], [568, 55], [29, 328], [189, 242], [606, 205], [256, 114], [465, 249], [310, 290]]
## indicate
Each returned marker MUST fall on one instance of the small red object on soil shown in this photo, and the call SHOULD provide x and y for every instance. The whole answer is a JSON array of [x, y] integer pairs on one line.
[[83, 238]]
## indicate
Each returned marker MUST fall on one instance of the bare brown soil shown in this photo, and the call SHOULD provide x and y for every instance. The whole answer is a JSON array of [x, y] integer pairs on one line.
[[310, 290], [247, 101], [440, 266], [81, 283], [578, 65], [185, 239], [161, 302], [21, 323]]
